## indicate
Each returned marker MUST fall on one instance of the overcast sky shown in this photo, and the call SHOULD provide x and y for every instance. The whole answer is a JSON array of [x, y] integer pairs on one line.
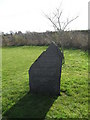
[[27, 15], [89, 15]]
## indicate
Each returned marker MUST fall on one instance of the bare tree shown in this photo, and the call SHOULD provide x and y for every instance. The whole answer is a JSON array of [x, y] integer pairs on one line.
[[59, 25]]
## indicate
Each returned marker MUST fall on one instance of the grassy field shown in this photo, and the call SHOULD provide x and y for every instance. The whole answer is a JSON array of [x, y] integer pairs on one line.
[[18, 103]]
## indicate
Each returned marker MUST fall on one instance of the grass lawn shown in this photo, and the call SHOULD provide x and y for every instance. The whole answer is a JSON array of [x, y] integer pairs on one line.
[[17, 103]]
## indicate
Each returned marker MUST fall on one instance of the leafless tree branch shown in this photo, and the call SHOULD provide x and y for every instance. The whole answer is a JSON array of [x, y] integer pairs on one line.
[[69, 21], [52, 22], [59, 25]]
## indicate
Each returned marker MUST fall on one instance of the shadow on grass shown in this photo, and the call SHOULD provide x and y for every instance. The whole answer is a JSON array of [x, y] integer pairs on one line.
[[30, 106]]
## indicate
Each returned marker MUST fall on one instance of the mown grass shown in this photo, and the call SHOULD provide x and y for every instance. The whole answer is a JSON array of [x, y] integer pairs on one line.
[[17, 103]]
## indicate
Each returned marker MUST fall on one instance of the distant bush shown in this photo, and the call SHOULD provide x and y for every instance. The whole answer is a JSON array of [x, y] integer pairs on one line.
[[76, 39]]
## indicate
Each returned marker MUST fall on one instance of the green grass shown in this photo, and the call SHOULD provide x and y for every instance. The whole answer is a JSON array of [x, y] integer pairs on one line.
[[17, 103]]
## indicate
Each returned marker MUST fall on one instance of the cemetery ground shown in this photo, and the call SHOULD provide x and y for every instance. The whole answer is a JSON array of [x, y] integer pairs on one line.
[[18, 103]]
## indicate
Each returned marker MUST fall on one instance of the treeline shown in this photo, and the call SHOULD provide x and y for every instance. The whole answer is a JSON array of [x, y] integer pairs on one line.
[[75, 39]]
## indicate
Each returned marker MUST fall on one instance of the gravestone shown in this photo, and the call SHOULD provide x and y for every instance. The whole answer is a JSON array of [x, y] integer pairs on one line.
[[45, 72]]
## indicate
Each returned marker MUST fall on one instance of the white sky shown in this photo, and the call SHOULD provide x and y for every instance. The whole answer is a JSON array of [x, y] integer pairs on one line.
[[27, 15], [89, 15]]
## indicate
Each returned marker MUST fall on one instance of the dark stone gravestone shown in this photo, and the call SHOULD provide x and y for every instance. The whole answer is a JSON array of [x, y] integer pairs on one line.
[[45, 72]]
